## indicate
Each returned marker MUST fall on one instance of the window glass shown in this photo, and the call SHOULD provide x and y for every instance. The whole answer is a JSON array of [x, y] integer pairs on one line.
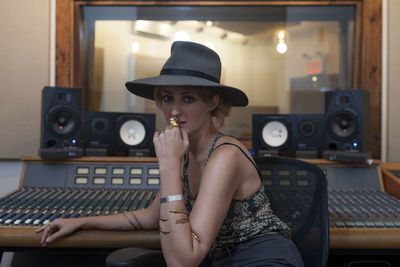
[[284, 58]]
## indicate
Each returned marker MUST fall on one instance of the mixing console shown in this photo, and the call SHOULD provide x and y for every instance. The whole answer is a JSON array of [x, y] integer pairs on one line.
[[363, 209], [31, 206], [362, 215]]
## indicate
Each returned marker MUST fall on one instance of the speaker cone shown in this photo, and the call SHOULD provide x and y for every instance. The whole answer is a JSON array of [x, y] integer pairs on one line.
[[99, 126], [63, 122], [132, 132], [343, 125], [275, 134], [307, 128]]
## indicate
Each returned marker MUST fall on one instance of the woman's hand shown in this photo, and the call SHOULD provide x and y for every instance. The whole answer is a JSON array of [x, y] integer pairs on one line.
[[57, 228], [171, 144]]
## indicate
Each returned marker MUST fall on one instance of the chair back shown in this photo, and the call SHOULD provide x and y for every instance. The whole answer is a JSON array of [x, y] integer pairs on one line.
[[298, 195]]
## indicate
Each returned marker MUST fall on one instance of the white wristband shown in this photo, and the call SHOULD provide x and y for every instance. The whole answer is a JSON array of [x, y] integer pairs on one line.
[[171, 198]]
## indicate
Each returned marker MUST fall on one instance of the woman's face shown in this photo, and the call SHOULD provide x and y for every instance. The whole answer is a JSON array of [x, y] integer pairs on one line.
[[187, 107]]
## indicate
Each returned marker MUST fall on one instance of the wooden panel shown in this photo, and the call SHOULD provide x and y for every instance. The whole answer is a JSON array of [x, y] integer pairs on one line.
[[391, 183], [26, 237], [351, 238], [371, 68], [64, 40], [13, 236]]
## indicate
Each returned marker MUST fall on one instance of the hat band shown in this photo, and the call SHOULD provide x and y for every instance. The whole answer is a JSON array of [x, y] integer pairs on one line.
[[194, 73]]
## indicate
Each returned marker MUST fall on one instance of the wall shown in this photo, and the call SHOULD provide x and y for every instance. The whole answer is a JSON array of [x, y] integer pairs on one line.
[[393, 80], [24, 70]]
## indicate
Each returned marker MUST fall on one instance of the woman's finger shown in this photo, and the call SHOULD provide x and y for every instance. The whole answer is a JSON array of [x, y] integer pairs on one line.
[[55, 236], [185, 139], [46, 233], [40, 229]]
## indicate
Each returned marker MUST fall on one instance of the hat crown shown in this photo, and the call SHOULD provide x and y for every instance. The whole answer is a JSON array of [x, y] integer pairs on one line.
[[195, 58]]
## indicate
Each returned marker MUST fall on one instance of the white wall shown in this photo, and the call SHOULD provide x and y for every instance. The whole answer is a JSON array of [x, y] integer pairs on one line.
[[24, 71], [393, 59]]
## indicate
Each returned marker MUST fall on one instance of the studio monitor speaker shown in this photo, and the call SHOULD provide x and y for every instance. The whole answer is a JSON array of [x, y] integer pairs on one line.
[[347, 115], [61, 122], [288, 134], [271, 134], [108, 133], [308, 134]]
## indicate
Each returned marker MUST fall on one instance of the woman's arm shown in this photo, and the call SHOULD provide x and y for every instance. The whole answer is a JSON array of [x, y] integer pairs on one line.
[[138, 219], [186, 240]]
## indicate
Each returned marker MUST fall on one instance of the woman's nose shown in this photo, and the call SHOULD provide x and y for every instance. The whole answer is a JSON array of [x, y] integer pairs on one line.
[[175, 111]]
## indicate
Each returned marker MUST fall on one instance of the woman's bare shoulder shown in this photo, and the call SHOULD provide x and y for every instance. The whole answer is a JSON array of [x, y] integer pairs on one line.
[[227, 153], [231, 140]]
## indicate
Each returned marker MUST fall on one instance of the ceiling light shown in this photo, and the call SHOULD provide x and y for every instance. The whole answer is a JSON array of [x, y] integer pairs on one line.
[[182, 36]]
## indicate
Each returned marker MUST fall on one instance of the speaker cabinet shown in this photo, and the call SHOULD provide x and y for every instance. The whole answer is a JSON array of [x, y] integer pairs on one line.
[[108, 133], [271, 134], [347, 118], [308, 134], [288, 134], [61, 122]]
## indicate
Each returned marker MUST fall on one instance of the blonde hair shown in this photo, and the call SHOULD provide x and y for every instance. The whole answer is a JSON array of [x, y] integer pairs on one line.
[[222, 110]]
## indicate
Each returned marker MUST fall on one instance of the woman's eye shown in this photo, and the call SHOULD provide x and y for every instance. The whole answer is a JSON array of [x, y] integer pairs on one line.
[[189, 99], [166, 98]]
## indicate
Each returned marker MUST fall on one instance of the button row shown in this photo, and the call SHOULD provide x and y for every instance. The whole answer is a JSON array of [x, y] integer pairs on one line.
[[116, 171]]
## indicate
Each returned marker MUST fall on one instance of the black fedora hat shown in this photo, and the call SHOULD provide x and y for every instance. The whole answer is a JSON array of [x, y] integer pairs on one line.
[[190, 64]]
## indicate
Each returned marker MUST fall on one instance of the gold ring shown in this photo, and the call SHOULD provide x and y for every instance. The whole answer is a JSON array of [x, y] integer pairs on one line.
[[173, 123]]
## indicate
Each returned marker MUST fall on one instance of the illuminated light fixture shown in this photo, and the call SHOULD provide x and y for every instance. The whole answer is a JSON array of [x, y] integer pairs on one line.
[[314, 78], [209, 23], [135, 47], [140, 24], [210, 45], [182, 36], [281, 47], [164, 28]]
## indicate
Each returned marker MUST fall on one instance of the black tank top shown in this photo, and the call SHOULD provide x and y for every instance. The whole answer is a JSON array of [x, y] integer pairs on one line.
[[246, 218]]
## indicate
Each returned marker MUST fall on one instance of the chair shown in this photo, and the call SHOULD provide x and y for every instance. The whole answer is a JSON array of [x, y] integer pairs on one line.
[[137, 257], [298, 195]]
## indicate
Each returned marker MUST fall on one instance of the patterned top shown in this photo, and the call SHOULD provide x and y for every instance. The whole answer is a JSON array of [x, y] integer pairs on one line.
[[245, 219]]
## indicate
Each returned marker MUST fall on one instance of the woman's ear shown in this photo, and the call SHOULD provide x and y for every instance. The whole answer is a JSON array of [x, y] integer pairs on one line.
[[214, 102]]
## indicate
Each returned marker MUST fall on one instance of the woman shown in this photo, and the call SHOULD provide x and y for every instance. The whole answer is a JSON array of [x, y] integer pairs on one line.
[[211, 207]]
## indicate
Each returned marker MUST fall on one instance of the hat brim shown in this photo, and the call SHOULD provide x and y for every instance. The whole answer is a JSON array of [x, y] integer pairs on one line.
[[145, 87]]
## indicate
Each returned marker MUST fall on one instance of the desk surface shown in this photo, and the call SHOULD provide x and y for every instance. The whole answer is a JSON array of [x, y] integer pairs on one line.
[[26, 237]]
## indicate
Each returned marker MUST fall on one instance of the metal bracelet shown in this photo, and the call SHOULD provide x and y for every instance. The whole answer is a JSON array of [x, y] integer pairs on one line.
[[171, 198]]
